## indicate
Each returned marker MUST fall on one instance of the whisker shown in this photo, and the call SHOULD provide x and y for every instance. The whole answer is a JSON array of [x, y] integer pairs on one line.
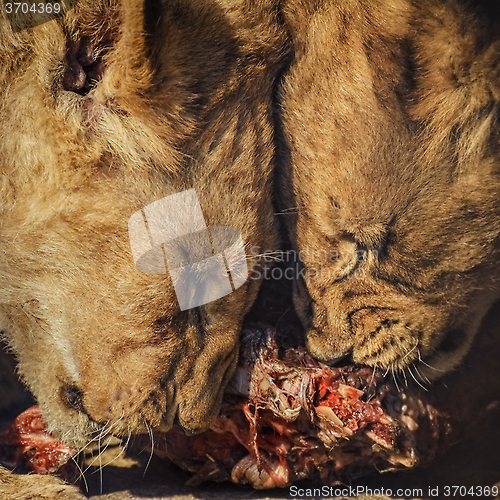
[[409, 351], [371, 383], [102, 451], [128, 439], [428, 365], [282, 316], [98, 433], [82, 450], [404, 376], [92, 441], [288, 211], [150, 432], [104, 430], [110, 435], [81, 474], [416, 380], [122, 451], [372, 377], [104, 433], [422, 377], [395, 379], [374, 369]]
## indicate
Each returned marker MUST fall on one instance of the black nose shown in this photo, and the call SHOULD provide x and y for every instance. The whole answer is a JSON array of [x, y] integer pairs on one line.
[[72, 396]]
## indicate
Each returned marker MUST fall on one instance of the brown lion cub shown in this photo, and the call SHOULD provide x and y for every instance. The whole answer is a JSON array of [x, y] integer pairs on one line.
[[393, 171], [114, 106]]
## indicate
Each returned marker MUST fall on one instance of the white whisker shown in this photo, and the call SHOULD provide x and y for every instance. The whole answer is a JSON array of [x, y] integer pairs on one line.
[[404, 376], [150, 431], [423, 378], [128, 439], [409, 351], [428, 365], [374, 369], [288, 211], [416, 380], [81, 474], [395, 379]]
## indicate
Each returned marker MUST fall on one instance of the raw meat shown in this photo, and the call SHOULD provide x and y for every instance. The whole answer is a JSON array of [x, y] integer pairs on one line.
[[287, 417], [25, 445]]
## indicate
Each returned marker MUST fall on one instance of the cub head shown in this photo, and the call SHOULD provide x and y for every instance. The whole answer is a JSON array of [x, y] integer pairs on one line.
[[114, 106], [391, 165]]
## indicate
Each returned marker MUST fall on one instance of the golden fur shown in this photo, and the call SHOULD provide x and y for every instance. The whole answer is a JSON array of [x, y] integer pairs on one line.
[[389, 157], [392, 165], [184, 102]]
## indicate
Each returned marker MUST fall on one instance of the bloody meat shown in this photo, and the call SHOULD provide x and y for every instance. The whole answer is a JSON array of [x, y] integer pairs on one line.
[[285, 417], [25, 445]]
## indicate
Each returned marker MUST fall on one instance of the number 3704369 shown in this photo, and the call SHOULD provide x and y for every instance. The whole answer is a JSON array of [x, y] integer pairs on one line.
[[35, 8]]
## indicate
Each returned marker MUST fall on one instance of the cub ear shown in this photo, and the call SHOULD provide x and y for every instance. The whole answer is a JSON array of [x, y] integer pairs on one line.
[[105, 38]]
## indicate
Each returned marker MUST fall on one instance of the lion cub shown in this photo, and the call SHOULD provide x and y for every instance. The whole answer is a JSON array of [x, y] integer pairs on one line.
[[114, 106], [391, 167]]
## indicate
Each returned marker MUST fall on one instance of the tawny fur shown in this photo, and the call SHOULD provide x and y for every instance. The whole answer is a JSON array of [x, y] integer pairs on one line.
[[391, 178], [36, 487], [389, 151], [184, 102]]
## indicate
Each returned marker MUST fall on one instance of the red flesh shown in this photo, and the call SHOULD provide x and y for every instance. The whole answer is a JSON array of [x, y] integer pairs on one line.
[[285, 417], [26, 444]]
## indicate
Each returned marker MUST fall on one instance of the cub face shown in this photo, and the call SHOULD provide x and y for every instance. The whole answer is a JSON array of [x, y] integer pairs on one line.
[[391, 167], [104, 111]]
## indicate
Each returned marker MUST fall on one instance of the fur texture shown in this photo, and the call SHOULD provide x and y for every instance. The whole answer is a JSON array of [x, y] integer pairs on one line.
[[111, 107], [391, 169], [389, 164]]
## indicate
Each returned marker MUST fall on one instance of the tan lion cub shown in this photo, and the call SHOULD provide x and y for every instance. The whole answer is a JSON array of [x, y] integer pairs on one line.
[[104, 111], [391, 121]]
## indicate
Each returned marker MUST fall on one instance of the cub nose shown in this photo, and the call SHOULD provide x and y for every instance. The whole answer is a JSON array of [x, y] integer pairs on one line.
[[327, 348]]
